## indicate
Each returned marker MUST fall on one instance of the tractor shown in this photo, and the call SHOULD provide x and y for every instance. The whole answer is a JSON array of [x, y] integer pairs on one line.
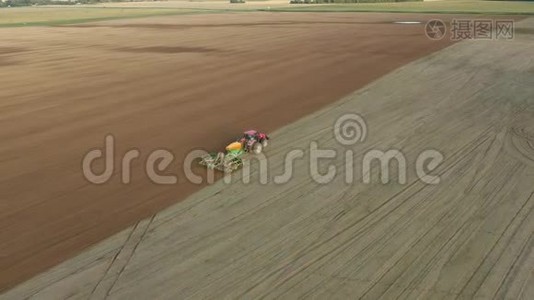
[[252, 141]]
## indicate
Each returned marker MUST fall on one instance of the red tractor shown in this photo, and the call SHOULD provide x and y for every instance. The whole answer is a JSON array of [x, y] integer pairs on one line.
[[232, 159], [254, 141]]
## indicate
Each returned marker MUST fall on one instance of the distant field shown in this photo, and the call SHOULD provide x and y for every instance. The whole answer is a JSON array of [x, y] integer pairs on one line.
[[485, 7], [57, 15], [21, 16]]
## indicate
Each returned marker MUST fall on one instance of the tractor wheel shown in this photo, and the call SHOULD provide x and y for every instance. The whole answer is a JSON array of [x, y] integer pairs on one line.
[[257, 148]]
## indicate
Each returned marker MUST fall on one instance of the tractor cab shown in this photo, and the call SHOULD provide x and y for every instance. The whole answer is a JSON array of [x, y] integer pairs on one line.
[[249, 139], [250, 135]]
